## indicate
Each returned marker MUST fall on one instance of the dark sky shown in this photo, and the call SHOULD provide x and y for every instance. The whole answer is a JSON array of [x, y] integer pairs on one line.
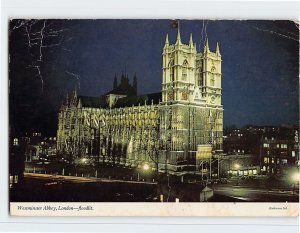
[[260, 68]]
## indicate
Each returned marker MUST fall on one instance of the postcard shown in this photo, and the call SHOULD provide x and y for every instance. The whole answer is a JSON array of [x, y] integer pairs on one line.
[[153, 117]]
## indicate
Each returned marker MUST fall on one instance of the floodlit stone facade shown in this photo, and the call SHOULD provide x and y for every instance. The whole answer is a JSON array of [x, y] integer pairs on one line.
[[163, 129]]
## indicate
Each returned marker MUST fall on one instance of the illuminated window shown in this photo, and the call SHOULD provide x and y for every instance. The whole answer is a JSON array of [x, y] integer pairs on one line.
[[278, 145], [273, 161], [171, 65], [16, 142], [266, 145], [266, 160], [293, 153], [284, 146], [284, 161]]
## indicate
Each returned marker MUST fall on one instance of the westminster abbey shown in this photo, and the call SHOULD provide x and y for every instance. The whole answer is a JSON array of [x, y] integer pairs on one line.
[[165, 130]]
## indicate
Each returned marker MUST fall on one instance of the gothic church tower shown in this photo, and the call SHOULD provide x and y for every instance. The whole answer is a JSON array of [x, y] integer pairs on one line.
[[192, 111], [178, 70], [188, 76], [210, 75]]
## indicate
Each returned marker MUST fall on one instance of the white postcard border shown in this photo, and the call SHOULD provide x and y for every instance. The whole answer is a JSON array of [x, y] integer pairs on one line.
[[217, 209]]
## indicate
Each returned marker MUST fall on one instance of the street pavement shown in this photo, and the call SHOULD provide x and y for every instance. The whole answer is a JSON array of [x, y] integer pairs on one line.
[[253, 194], [241, 192], [79, 179]]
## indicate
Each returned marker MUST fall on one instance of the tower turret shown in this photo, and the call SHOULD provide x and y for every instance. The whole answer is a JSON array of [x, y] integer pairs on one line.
[[167, 41], [179, 62], [218, 49], [178, 38], [191, 43], [206, 46]]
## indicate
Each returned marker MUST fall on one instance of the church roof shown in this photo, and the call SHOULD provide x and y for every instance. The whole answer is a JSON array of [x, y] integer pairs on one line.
[[93, 102], [136, 100], [100, 102]]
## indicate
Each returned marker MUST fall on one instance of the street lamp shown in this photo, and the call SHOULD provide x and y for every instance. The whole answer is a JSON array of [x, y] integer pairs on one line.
[[146, 167], [295, 178], [237, 166], [83, 160]]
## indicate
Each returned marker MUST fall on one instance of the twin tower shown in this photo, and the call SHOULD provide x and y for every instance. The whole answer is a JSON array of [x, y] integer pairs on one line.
[[188, 76], [191, 89]]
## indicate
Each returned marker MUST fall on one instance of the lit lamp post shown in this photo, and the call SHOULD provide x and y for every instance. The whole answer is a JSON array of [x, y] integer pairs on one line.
[[83, 160], [145, 168], [237, 167], [296, 178]]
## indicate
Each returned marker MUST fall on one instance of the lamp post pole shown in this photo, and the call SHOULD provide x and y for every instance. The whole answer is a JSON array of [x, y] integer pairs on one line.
[[296, 178], [237, 166]]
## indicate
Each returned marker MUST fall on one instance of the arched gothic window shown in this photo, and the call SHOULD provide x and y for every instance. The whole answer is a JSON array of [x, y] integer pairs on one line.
[[171, 65], [200, 78], [184, 70]]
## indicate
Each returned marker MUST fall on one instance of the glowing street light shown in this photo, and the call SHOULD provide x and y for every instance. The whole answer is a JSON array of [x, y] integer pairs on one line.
[[83, 160], [237, 166], [146, 167], [296, 177]]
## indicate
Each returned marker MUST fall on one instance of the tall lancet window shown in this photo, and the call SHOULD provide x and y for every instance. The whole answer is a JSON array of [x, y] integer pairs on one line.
[[171, 65], [200, 78], [184, 70]]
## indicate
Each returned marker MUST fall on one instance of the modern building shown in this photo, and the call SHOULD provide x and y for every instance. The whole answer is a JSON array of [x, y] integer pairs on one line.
[[274, 149], [279, 150], [174, 131]]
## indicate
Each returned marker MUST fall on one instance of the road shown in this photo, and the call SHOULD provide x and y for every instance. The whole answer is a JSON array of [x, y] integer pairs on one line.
[[47, 187], [78, 179], [255, 194], [58, 188]]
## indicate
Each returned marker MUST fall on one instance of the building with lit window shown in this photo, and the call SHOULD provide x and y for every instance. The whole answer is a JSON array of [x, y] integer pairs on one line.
[[274, 149], [279, 150], [165, 130]]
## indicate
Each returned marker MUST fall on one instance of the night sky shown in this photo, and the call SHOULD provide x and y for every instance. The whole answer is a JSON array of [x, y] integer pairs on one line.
[[260, 68]]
